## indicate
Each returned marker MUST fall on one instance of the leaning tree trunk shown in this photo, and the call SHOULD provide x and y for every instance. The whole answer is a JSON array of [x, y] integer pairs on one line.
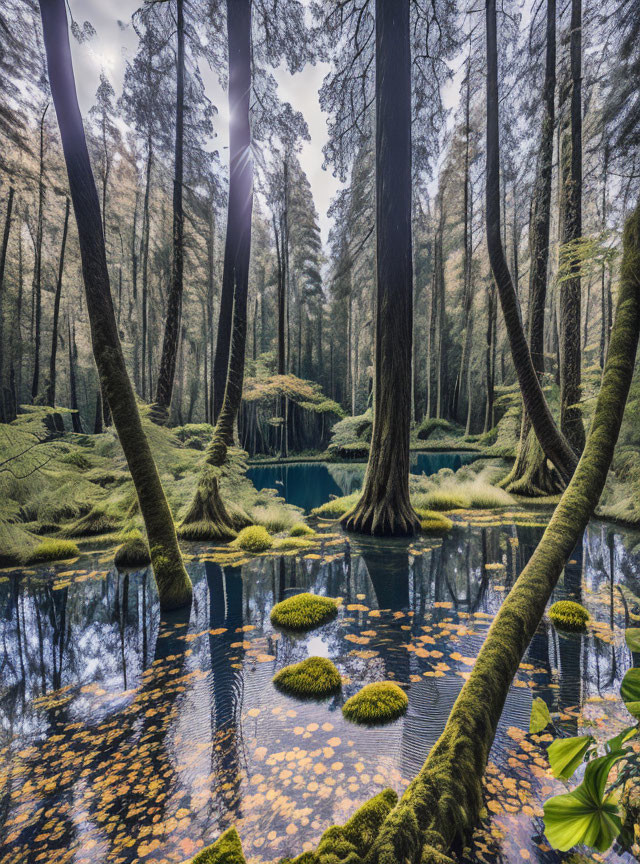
[[571, 231], [554, 444], [174, 585], [207, 511], [51, 389], [169, 355], [441, 807], [385, 508], [3, 259], [530, 474]]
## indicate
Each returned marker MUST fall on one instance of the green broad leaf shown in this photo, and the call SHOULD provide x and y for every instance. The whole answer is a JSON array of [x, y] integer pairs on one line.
[[565, 754], [632, 638], [540, 717], [630, 692], [626, 735], [586, 815]]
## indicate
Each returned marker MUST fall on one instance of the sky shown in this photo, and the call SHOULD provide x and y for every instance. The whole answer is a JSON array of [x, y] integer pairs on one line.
[[113, 44]]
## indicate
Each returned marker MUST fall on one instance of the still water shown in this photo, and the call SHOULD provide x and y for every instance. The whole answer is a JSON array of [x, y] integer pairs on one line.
[[127, 738], [310, 484]]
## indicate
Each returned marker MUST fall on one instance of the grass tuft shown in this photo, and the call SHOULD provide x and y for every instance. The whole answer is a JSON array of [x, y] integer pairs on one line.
[[303, 612], [51, 550], [96, 522], [301, 529], [254, 538], [376, 703], [568, 615], [337, 507], [433, 523], [445, 499], [287, 544], [313, 678], [133, 552]]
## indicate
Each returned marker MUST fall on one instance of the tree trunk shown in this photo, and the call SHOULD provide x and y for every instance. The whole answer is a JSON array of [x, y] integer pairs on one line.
[[555, 446], [51, 390], [385, 508], [37, 268], [145, 272], [174, 585], [571, 230], [530, 474], [238, 239], [76, 420], [166, 375], [3, 259]]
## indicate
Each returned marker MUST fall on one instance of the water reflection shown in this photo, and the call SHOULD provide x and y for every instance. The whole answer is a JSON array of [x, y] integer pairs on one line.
[[125, 737]]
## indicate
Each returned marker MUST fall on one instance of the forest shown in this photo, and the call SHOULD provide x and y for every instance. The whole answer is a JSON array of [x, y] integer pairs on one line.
[[319, 432]]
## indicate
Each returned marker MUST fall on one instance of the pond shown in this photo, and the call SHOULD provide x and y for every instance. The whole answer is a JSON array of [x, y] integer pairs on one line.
[[310, 484], [127, 738]]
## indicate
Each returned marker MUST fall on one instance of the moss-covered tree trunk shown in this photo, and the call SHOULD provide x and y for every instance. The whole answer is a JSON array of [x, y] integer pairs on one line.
[[554, 444], [571, 231], [167, 372], [174, 585], [51, 387], [384, 507], [4, 414], [531, 474]]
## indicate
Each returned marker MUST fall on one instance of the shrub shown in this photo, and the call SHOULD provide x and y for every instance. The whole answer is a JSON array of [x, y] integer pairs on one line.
[[301, 529], [133, 552], [433, 523], [337, 507], [254, 538], [446, 499], [376, 703], [313, 678], [51, 550], [568, 615], [303, 612]]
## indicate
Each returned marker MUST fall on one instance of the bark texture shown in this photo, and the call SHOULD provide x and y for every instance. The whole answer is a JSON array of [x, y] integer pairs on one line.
[[174, 585], [3, 258], [552, 441], [51, 388], [385, 508]]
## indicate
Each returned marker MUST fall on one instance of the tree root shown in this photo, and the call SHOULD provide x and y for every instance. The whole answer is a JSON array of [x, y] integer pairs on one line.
[[391, 516], [531, 475], [207, 517]]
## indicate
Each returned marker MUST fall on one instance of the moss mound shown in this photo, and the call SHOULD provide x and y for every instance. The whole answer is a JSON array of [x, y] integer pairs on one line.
[[254, 538], [433, 523], [337, 507], [303, 612], [431, 425], [313, 678], [287, 544], [376, 703], [204, 529], [300, 529], [445, 499], [133, 552], [226, 850], [97, 521], [568, 615], [51, 550]]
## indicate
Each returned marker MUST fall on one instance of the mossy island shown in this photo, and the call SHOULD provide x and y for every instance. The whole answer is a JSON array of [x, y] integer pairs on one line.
[[569, 615], [304, 612], [376, 704], [313, 678]]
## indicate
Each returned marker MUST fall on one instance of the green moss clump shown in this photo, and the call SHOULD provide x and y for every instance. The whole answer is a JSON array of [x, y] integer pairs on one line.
[[203, 529], [301, 529], [226, 850], [430, 425], [303, 612], [568, 615], [96, 522], [337, 507], [433, 523], [254, 538], [313, 678], [380, 702], [51, 550], [446, 499], [133, 552], [286, 544]]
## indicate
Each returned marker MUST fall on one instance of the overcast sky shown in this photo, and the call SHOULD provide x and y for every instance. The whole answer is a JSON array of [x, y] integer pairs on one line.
[[114, 44]]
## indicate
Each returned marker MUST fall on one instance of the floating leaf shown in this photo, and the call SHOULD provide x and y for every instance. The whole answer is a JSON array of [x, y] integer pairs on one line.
[[586, 815], [565, 754], [632, 638], [630, 692], [540, 717]]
